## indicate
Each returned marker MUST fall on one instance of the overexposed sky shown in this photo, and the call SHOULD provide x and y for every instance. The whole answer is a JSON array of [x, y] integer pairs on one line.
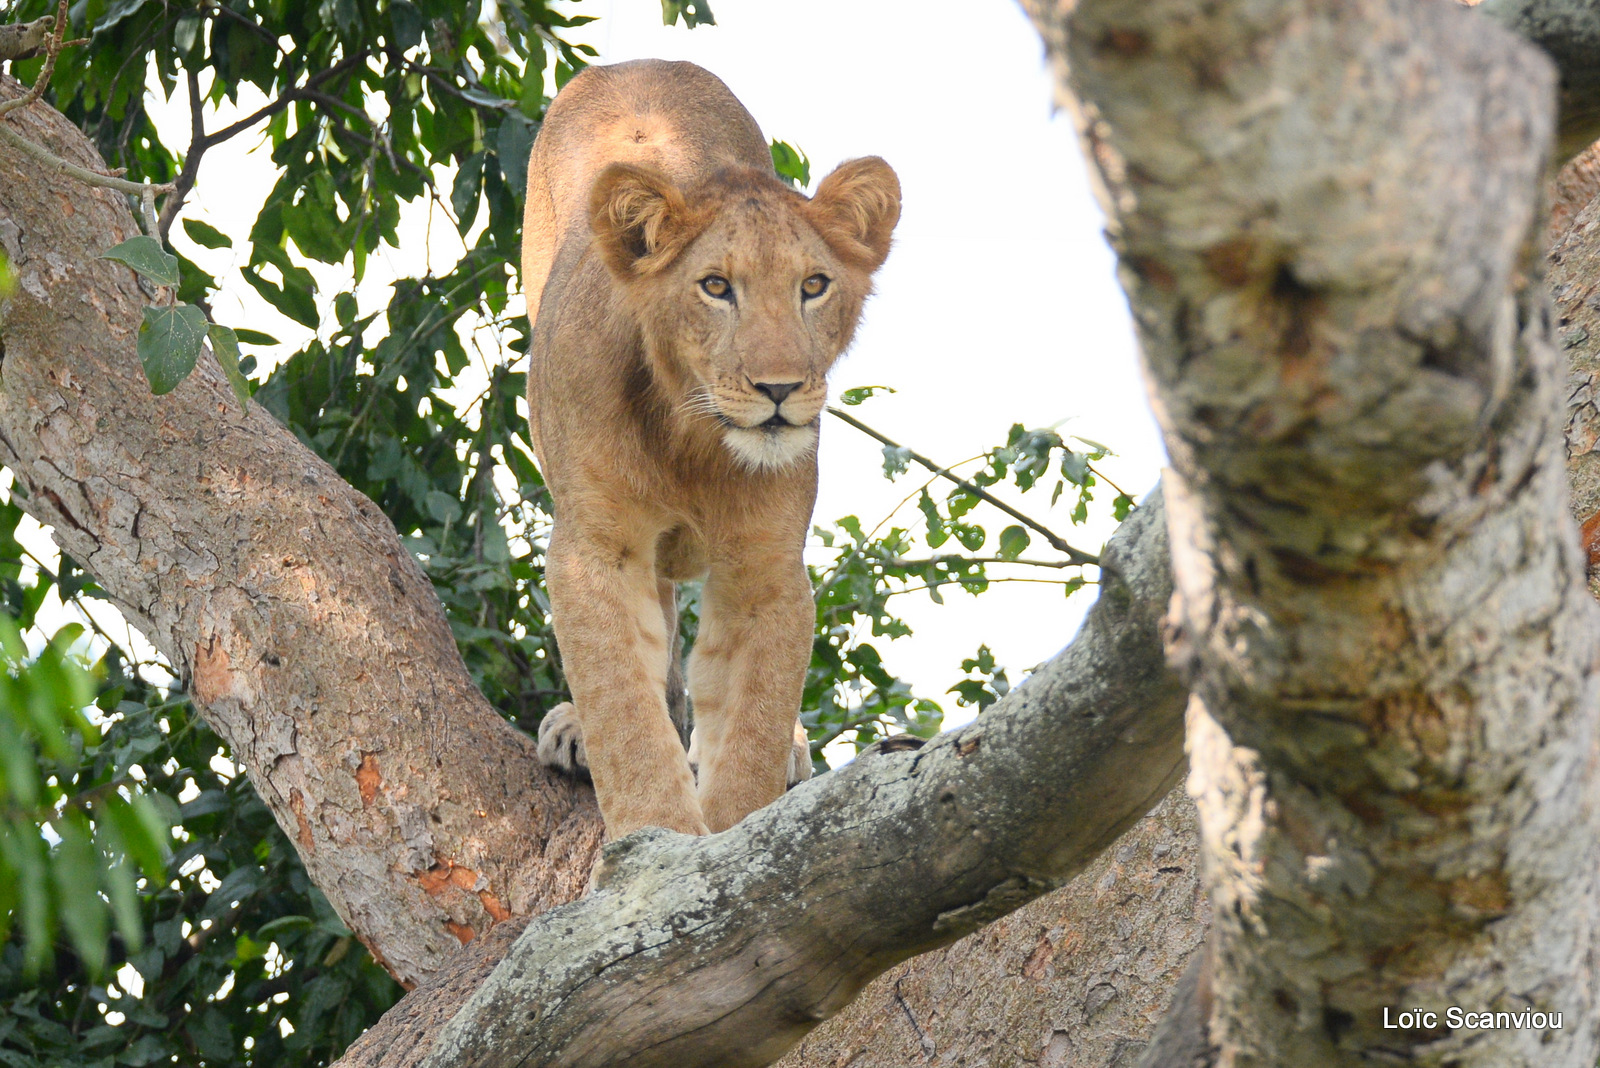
[[997, 305]]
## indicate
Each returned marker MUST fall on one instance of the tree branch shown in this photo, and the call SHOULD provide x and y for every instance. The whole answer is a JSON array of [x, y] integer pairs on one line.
[[1074, 556], [727, 949], [286, 98], [1380, 596], [305, 632], [191, 160], [56, 164]]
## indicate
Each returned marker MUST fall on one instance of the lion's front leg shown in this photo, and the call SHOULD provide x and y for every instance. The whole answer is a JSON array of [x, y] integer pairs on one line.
[[745, 677], [614, 647]]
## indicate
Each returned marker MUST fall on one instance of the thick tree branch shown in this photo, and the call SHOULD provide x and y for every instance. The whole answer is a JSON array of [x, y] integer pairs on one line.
[[1336, 284], [1077, 978], [727, 949], [306, 633]]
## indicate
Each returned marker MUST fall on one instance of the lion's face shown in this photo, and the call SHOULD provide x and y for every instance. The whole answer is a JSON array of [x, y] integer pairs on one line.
[[747, 291]]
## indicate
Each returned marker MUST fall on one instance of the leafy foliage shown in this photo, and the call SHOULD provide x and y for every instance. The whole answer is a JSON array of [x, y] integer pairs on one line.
[[848, 690], [243, 961], [74, 827], [791, 164]]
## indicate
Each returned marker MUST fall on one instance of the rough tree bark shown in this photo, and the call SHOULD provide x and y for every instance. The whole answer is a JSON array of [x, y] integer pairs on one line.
[[307, 635], [1329, 224], [725, 950]]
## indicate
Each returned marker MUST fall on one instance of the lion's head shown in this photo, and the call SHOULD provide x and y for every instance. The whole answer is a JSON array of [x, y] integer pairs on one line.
[[746, 291]]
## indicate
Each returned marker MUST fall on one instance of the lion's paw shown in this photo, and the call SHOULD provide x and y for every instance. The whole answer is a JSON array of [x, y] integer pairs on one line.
[[799, 756], [561, 741]]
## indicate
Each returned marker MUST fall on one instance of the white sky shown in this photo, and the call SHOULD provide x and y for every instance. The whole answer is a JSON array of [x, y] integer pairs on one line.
[[997, 305]]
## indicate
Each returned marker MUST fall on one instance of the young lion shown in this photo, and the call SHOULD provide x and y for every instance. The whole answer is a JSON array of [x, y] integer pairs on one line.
[[686, 306]]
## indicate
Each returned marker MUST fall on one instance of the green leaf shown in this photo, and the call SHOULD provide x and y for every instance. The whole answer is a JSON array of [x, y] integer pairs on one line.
[[76, 874], [464, 194], [1075, 467], [693, 12], [225, 343], [169, 344], [406, 22], [1013, 541], [969, 535], [895, 460], [793, 167], [147, 1050], [513, 142], [253, 337], [852, 397], [281, 926], [206, 235], [146, 256], [293, 298]]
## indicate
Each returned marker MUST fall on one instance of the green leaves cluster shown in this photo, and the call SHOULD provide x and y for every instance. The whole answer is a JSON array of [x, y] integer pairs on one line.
[[76, 830], [172, 334], [791, 164], [151, 910], [849, 692]]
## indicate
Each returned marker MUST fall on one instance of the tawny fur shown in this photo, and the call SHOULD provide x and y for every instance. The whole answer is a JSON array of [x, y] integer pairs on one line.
[[665, 460]]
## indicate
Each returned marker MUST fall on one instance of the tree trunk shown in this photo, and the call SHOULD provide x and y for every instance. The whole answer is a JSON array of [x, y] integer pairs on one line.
[[308, 637], [1329, 222]]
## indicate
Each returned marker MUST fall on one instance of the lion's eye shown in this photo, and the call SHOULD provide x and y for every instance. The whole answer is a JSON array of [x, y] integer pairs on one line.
[[717, 286], [814, 286]]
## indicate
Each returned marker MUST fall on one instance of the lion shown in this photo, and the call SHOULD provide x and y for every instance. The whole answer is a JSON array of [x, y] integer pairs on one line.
[[686, 308]]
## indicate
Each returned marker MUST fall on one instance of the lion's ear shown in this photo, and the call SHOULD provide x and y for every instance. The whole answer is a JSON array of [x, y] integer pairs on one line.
[[855, 210], [640, 219]]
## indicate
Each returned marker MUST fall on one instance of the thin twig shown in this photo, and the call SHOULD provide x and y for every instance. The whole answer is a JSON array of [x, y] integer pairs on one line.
[[957, 582], [1074, 555], [957, 558], [288, 97], [87, 177], [1101, 475]]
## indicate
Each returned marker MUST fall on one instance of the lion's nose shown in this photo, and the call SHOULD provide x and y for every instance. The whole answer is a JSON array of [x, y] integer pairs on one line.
[[778, 391]]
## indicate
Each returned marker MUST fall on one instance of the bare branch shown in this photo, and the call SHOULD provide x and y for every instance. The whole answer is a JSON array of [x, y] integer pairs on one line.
[[191, 161], [82, 174], [286, 98]]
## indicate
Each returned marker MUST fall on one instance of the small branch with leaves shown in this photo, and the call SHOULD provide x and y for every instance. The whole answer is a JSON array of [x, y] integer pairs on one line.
[[1060, 544], [22, 40]]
